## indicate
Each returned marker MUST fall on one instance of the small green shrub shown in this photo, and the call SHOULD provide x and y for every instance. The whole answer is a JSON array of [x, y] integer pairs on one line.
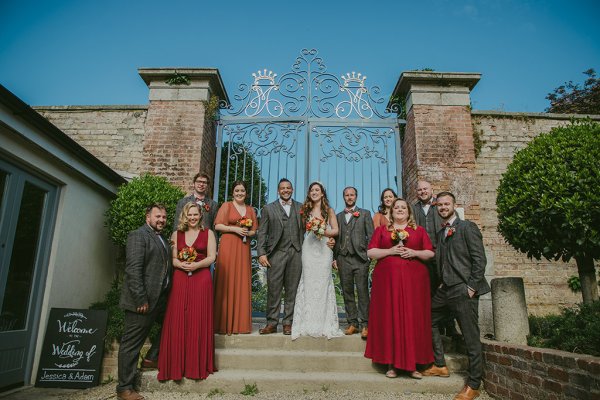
[[128, 211], [576, 330], [249, 390]]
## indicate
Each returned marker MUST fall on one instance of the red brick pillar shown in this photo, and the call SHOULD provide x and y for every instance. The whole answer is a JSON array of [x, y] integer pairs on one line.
[[438, 139], [179, 137]]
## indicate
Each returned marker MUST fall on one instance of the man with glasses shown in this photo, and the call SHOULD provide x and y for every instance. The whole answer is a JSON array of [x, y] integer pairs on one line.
[[200, 196]]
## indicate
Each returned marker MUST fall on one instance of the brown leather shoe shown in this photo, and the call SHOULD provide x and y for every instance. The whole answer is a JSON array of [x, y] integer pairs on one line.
[[468, 393], [364, 333], [434, 370], [287, 329], [129, 395], [351, 330], [268, 329], [149, 364]]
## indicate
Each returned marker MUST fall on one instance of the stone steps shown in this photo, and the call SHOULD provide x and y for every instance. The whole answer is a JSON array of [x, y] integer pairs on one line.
[[275, 362], [234, 380]]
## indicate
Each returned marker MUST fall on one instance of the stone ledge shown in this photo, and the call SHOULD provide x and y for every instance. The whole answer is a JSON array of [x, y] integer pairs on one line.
[[494, 113]]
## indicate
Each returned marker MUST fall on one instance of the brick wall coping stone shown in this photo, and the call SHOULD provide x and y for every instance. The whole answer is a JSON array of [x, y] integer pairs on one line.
[[155, 79], [434, 78], [524, 372], [124, 107], [494, 113]]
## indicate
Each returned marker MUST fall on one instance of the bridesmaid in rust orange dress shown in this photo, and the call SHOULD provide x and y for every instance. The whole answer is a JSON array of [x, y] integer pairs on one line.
[[382, 216], [236, 221]]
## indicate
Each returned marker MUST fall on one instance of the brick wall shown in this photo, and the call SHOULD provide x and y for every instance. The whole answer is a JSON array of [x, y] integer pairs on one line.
[[177, 142], [523, 372], [503, 134], [438, 147], [114, 134]]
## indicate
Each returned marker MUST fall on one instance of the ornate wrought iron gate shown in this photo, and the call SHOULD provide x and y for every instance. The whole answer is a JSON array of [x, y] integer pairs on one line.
[[308, 125]]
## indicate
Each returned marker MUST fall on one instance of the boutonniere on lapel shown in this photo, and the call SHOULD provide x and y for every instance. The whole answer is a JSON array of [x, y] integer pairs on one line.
[[203, 205], [450, 232], [356, 214], [433, 202]]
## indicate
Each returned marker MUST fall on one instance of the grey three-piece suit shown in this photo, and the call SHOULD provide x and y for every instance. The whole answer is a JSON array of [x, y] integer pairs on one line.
[[461, 265], [431, 221], [353, 264], [208, 218], [280, 238], [147, 280]]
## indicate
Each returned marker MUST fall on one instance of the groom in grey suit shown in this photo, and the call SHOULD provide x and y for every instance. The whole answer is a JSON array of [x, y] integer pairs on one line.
[[351, 261], [280, 237], [461, 265], [144, 293]]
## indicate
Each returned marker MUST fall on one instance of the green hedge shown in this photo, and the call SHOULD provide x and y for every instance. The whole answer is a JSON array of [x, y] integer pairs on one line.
[[576, 330]]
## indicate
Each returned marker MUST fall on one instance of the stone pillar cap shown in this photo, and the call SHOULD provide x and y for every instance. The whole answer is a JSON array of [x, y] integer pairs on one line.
[[443, 81], [434, 78], [158, 76]]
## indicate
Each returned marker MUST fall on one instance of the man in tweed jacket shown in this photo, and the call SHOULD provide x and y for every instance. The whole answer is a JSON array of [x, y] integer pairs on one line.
[[351, 261], [461, 266], [144, 294]]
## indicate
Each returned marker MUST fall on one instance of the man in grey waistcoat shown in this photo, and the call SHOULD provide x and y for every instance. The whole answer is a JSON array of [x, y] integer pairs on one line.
[[352, 263], [461, 265], [144, 295], [279, 245], [200, 196]]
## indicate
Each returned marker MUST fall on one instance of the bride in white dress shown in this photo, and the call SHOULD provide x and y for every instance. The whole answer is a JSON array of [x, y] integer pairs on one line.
[[315, 310]]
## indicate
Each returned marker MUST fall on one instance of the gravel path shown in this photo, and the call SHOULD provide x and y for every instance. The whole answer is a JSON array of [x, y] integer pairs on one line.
[[107, 392]]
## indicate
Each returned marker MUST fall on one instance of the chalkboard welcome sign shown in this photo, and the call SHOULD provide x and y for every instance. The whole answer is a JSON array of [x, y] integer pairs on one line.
[[73, 347]]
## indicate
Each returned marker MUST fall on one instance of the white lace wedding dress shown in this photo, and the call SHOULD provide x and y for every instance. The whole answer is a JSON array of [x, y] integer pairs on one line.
[[315, 310]]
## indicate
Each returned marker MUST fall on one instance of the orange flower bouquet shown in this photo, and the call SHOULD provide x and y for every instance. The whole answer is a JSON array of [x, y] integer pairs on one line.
[[245, 222], [317, 226], [398, 235], [187, 254]]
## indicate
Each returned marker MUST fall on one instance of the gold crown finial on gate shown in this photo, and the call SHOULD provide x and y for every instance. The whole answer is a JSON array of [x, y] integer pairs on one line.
[[357, 78]]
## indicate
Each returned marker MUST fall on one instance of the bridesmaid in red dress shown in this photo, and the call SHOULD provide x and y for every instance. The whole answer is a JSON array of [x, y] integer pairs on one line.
[[400, 309], [237, 222], [382, 216], [187, 347]]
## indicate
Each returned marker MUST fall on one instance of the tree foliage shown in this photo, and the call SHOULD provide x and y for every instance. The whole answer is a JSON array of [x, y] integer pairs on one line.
[[548, 198], [242, 166], [573, 99], [128, 211]]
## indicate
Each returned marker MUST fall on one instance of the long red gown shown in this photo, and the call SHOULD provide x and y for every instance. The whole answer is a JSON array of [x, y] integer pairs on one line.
[[400, 309], [187, 347], [233, 275]]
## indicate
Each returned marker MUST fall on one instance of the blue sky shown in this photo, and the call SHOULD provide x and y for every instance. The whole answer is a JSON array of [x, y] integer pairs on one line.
[[63, 52]]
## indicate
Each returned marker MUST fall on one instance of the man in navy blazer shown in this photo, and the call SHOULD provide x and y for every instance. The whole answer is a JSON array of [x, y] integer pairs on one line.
[[461, 262], [144, 294]]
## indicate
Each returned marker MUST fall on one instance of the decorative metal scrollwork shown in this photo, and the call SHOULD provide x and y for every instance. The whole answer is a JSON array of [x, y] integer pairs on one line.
[[354, 144], [309, 91], [264, 139]]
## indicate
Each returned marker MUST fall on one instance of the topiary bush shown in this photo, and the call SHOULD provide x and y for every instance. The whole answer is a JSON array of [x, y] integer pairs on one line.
[[576, 330], [548, 200], [128, 211]]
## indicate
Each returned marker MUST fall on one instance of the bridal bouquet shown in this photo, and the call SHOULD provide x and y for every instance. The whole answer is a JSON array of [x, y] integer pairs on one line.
[[398, 235], [187, 254], [317, 226], [245, 222]]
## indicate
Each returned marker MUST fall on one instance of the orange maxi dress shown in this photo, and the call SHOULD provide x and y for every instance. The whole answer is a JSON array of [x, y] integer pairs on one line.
[[233, 273], [379, 219]]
